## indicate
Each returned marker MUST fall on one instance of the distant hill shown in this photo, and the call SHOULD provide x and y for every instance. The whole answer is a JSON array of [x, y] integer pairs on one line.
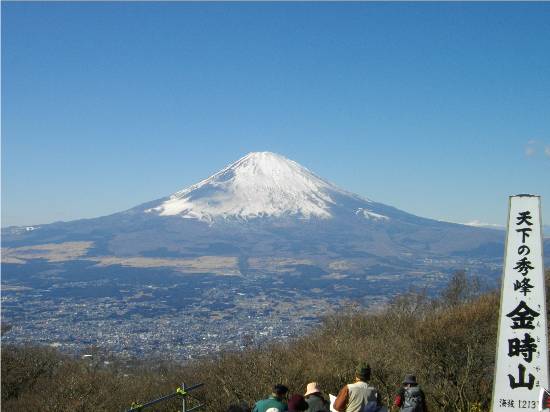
[[476, 223]]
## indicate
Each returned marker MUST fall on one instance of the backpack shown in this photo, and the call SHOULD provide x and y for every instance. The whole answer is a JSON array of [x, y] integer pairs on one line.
[[414, 401], [371, 405]]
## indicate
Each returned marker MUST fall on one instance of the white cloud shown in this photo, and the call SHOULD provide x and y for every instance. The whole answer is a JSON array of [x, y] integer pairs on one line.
[[531, 148], [534, 147], [477, 223]]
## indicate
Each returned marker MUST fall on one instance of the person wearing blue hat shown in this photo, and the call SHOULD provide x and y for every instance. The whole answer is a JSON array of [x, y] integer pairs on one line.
[[410, 397]]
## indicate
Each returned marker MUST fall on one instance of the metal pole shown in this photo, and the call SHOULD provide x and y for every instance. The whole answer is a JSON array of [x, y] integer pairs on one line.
[[183, 405], [180, 391]]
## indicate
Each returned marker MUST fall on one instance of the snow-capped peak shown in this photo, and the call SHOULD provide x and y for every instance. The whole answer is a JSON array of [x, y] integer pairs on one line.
[[261, 184]]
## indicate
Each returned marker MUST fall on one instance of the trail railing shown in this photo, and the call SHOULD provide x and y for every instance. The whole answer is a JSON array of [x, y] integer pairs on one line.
[[181, 392]]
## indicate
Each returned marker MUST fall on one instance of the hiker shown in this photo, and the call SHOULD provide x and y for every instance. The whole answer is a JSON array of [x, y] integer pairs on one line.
[[297, 403], [314, 398], [358, 396], [275, 400], [410, 397]]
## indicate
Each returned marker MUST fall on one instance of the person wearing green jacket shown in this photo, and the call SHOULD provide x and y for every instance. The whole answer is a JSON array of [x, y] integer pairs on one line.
[[275, 400]]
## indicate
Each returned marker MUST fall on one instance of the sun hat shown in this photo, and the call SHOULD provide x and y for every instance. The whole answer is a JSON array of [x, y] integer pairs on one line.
[[409, 380], [312, 387]]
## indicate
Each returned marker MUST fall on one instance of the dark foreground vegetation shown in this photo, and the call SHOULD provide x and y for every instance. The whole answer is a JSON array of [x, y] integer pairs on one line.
[[448, 342]]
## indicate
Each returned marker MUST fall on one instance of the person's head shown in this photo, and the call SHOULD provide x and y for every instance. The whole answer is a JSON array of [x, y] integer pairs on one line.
[[297, 403], [410, 380], [280, 391], [362, 372], [312, 389]]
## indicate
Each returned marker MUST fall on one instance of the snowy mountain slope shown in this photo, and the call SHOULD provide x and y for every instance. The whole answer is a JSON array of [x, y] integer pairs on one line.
[[260, 184]]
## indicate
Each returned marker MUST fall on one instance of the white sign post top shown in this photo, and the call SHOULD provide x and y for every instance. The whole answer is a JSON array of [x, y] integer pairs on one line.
[[522, 345]]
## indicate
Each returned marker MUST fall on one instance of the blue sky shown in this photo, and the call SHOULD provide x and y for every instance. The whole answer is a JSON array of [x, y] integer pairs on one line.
[[439, 109]]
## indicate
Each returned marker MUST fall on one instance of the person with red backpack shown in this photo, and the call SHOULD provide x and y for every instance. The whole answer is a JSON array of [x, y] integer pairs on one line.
[[410, 397]]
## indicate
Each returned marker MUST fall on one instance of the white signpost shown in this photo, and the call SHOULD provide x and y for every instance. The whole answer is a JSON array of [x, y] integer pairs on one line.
[[522, 345]]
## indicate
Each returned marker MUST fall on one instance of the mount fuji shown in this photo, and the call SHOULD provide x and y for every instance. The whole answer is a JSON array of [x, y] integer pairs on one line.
[[266, 213], [264, 198], [266, 205]]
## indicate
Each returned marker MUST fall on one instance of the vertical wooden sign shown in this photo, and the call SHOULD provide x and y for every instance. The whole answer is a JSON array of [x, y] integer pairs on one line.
[[522, 343]]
